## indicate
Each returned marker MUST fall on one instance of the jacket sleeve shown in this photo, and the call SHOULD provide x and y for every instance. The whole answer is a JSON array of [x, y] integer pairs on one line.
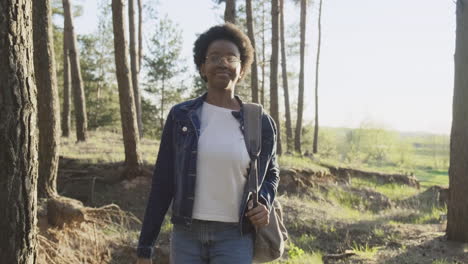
[[161, 192], [270, 183]]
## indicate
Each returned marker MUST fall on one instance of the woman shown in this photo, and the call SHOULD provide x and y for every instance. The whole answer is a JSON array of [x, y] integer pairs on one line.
[[203, 161]]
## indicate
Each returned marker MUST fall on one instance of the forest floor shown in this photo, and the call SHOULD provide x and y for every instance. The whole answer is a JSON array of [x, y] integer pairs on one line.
[[329, 221]]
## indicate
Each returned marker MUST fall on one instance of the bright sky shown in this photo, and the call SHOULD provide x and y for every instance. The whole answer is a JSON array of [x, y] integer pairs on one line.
[[386, 62]]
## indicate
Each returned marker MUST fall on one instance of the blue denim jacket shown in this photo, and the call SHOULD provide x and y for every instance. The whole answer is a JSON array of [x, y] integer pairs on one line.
[[175, 172]]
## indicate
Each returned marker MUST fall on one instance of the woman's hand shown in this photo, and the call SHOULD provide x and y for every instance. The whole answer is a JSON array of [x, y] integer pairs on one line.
[[258, 216], [143, 261]]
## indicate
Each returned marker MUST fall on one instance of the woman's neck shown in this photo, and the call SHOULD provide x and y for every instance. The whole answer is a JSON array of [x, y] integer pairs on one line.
[[222, 98]]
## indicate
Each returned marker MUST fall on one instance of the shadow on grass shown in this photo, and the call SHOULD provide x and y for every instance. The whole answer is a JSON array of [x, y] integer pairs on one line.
[[434, 250]]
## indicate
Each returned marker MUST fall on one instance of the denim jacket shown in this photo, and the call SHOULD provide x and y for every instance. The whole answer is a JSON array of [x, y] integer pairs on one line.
[[175, 172]]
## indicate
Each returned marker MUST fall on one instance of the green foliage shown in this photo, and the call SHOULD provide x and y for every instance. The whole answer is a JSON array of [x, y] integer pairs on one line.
[[150, 119], [370, 145], [199, 86], [295, 252], [163, 65], [102, 103]]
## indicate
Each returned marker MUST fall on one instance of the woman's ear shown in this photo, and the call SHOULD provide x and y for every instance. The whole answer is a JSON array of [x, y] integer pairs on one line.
[[241, 75], [202, 70]]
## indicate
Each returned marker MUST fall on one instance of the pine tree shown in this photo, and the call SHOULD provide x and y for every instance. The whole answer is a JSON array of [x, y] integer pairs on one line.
[[18, 151]]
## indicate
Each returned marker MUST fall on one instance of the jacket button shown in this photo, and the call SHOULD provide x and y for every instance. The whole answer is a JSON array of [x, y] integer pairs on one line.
[[184, 129]]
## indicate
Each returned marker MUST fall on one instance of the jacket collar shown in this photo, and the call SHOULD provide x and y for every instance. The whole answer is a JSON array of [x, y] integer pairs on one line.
[[197, 103]]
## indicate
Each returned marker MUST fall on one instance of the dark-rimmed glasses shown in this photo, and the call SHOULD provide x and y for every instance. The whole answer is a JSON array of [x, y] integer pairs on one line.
[[217, 59]]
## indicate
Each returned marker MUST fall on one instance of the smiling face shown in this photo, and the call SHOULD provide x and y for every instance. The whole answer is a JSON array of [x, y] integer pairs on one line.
[[222, 66]]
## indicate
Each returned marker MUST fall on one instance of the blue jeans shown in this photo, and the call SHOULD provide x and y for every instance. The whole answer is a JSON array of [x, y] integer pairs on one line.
[[206, 242]]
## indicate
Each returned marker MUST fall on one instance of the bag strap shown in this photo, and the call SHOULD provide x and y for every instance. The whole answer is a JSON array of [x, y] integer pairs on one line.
[[253, 138]]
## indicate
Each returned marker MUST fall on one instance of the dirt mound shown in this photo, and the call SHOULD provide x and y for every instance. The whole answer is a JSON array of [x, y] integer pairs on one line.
[[298, 181], [434, 196], [382, 178]]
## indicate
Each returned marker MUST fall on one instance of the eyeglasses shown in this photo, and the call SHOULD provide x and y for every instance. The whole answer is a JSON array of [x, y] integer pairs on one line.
[[217, 59]]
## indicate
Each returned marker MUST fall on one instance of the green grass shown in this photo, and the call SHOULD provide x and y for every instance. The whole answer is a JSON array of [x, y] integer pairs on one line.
[[432, 216], [105, 147], [297, 162], [347, 199], [306, 242], [433, 177], [365, 251], [296, 255], [391, 190], [442, 261]]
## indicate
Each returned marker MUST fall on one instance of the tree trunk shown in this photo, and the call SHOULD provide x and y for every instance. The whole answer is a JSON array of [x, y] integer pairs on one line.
[[161, 116], [134, 65], [316, 130], [285, 80], [47, 99], [262, 95], [300, 99], [274, 70], [140, 37], [18, 151], [66, 88], [230, 11], [457, 218], [254, 72], [77, 81], [127, 102]]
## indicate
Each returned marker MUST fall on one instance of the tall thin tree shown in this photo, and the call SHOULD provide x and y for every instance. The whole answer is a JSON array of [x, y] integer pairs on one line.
[[457, 217], [18, 151], [76, 79], [47, 97], [289, 136], [127, 102], [317, 64], [254, 70], [274, 104], [66, 89], [134, 64], [140, 35], [230, 11], [300, 99], [263, 64]]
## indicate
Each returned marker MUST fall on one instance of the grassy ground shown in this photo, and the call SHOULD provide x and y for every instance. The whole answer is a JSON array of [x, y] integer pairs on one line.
[[377, 223]]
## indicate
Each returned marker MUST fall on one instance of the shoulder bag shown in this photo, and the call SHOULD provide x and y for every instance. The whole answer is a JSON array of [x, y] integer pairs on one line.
[[269, 240]]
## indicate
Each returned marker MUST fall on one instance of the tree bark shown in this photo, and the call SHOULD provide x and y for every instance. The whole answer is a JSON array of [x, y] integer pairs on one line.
[[262, 92], [66, 88], [77, 81], [254, 70], [140, 35], [127, 102], [285, 81], [274, 111], [300, 99], [47, 96], [18, 151], [457, 217], [134, 65], [230, 11], [316, 129]]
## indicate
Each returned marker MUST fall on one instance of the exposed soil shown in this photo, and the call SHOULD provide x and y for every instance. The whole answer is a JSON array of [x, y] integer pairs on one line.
[[307, 211]]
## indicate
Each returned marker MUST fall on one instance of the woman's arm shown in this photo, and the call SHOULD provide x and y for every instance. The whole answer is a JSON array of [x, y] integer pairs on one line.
[[269, 186], [161, 192]]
